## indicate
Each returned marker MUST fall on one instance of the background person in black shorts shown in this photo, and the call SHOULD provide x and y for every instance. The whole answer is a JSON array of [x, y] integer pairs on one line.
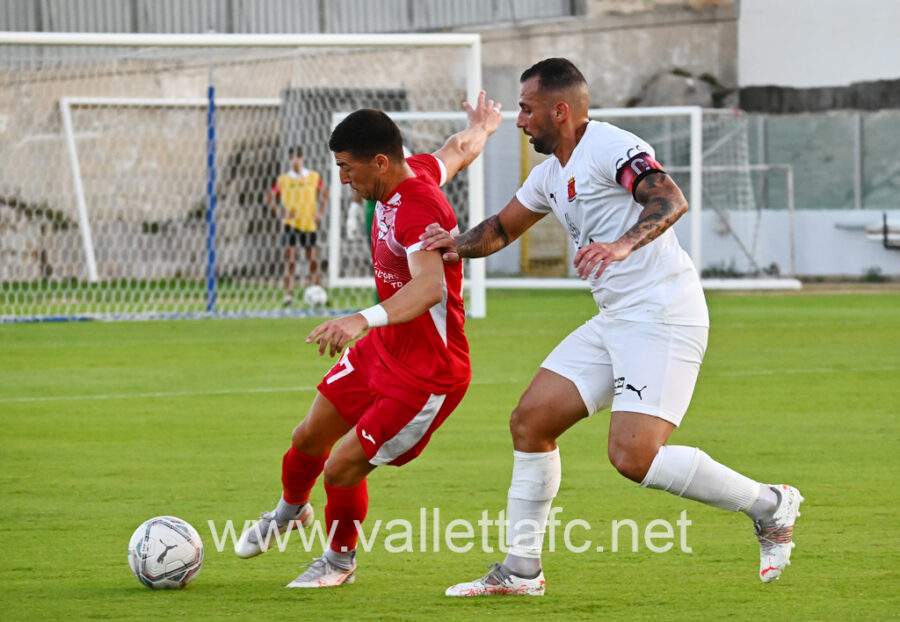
[[303, 198]]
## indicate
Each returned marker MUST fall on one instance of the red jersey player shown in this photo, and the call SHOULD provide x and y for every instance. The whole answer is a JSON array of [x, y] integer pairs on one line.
[[388, 393]]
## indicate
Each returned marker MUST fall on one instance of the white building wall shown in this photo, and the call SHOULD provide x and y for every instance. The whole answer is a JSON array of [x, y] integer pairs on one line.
[[817, 43]]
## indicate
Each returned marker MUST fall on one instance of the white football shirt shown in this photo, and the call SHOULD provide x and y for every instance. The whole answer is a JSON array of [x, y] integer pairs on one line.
[[655, 283]]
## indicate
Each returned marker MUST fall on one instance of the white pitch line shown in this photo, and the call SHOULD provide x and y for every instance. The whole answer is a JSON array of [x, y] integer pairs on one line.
[[812, 370], [121, 396]]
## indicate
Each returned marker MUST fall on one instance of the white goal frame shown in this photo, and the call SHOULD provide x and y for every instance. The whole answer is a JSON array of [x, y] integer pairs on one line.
[[65, 109], [470, 42]]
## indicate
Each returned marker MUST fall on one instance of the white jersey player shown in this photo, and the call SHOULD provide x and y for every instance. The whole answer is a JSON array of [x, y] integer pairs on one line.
[[592, 196], [641, 353]]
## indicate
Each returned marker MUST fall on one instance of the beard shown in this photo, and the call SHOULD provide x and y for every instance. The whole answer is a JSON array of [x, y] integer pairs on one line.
[[542, 145]]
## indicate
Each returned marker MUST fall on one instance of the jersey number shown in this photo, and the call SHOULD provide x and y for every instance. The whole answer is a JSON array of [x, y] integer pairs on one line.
[[345, 363]]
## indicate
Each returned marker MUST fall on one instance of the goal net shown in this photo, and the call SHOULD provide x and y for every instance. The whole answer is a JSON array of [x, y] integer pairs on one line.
[[135, 170]]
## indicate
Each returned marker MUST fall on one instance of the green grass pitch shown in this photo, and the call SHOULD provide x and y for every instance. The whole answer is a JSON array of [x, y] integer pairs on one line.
[[107, 424]]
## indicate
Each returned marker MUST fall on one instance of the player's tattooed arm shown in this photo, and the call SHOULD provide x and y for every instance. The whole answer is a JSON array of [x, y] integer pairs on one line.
[[483, 239], [487, 237], [663, 204]]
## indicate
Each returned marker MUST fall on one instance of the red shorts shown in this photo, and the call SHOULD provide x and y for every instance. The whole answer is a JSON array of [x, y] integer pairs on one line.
[[393, 422]]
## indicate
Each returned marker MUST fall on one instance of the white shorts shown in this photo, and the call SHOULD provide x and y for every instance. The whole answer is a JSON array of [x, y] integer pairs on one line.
[[632, 366]]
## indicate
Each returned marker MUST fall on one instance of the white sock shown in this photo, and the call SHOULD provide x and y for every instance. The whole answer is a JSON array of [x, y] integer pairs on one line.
[[524, 567], [285, 511], [765, 505], [535, 482], [689, 472], [344, 561]]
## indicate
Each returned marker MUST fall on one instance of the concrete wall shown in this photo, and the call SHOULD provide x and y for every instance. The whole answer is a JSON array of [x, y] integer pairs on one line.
[[815, 43], [618, 52], [814, 55], [827, 242]]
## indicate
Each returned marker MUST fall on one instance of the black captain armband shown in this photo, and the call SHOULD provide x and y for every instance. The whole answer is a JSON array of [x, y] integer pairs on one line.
[[635, 169]]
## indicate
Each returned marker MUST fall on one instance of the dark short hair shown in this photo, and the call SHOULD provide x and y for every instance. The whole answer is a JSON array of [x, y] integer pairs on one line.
[[296, 150], [365, 133], [554, 74]]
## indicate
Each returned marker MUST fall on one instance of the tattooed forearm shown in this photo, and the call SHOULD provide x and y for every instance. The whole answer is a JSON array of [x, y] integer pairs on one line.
[[663, 204], [483, 239], [659, 214]]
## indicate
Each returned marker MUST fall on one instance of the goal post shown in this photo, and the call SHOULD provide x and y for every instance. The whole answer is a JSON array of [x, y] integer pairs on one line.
[[156, 204]]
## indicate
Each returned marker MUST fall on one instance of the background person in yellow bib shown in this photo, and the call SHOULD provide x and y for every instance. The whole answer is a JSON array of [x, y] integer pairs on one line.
[[303, 198]]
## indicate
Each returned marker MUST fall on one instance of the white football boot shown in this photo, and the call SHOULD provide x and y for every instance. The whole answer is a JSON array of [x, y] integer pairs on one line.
[[776, 535], [322, 573], [499, 582], [257, 538]]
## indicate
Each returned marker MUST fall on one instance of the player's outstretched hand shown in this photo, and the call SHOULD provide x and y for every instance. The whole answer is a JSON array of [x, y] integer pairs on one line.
[[597, 256], [485, 112], [338, 333], [437, 238]]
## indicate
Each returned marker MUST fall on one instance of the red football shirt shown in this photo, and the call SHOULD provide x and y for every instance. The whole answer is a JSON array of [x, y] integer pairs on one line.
[[430, 352]]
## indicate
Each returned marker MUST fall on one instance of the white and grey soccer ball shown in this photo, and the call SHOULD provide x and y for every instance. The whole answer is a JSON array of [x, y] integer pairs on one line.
[[165, 553], [315, 296]]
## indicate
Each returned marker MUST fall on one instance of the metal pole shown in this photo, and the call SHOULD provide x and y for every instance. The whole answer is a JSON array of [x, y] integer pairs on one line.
[[242, 39], [477, 267], [762, 158], [334, 217], [791, 218], [858, 146], [696, 194], [84, 224], [211, 196]]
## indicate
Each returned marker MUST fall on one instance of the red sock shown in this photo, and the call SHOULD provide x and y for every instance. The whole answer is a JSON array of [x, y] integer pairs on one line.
[[298, 475], [345, 505]]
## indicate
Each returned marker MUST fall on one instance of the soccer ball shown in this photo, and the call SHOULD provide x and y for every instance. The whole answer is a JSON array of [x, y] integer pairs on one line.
[[315, 296], [165, 553]]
